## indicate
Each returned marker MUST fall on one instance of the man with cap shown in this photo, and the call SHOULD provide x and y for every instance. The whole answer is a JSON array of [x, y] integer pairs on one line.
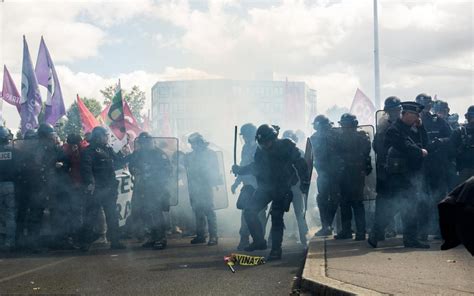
[[9, 171], [406, 140], [436, 179], [277, 165], [441, 109], [384, 215], [151, 169], [327, 164], [98, 165], [462, 142], [249, 183], [353, 147], [203, 174], [298, 198], [453, 120]]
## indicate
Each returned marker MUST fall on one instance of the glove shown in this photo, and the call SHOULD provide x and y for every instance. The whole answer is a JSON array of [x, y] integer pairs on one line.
[[236, 169], [304, 187]]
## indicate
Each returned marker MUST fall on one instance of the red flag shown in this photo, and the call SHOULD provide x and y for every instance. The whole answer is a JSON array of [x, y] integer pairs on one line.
[[131, 124], [363, 108], [87, 118]]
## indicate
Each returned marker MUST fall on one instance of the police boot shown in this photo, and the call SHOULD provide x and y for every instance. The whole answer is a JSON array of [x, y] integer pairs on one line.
[[148, 244], [275, 254], [256, 246], [212, 241], [117, 245], [360, 236], [325, 231], [244, 242], [160, 244], [198, 240], [343, 235], [372, 240]]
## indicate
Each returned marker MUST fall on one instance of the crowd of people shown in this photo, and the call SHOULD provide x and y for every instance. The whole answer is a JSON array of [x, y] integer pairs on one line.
[[421, 153]]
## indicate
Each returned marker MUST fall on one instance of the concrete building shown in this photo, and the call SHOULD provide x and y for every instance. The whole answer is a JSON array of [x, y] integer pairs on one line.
[[214, 107]]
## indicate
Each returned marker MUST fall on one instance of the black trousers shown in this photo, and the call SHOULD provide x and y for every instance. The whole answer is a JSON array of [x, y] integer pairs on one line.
[[105, 197], [326, 199], [347, 206], [281, 200]]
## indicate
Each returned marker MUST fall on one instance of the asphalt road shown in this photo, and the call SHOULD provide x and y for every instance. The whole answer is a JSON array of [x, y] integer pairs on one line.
[[181, 269]]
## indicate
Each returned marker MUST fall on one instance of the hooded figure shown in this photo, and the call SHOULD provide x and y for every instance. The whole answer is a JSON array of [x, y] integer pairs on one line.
[[456, 217]]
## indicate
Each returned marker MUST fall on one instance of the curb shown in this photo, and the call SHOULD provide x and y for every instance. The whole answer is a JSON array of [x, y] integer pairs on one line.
[[315, 278]]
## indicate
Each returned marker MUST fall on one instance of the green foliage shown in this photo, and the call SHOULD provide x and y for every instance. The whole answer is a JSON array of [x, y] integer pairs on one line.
[[73, 123], [135, 99]]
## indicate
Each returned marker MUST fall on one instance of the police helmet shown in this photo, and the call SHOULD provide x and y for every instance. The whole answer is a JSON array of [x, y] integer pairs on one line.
[[98, 132], [470, 112], [248, 129], [424, 99], [197, 139], [391, 103], [144, 137], [30, 134], [321, 120], [5, 135], [440, 106], [266, 133], [289, 134], [45, 130], [348, 120], [74, 139]]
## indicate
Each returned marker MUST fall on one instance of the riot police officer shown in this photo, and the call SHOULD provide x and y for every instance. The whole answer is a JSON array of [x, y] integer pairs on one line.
[[441, 109], [275, 165], [8, 174], [353, 147], [384, 207], [298, 198], [327, 165], [40, 167], [249, 183], [437, 180], [407, 142], [203, 174], [98, 164], [453, 120], [151, 169], [462, 141]]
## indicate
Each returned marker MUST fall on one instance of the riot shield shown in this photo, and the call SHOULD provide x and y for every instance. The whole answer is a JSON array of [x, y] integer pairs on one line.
[[370, 180], [219, 190], [170, 146]]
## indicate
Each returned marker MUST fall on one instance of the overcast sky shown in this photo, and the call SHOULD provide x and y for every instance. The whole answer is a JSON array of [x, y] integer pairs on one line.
[[425, 46]]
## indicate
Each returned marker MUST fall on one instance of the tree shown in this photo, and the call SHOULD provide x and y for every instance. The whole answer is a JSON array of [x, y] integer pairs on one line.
[[334, 113], [135, 99], [73, 123]]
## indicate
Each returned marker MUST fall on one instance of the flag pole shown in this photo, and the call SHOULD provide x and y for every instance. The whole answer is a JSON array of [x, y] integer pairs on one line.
[[376, 58]]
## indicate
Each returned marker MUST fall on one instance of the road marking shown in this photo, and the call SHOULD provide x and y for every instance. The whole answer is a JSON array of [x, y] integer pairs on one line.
[[34, 269]]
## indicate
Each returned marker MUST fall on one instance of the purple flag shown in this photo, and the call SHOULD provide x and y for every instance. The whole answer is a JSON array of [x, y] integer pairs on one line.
[[10, 93], [30, 94], [47, 77]]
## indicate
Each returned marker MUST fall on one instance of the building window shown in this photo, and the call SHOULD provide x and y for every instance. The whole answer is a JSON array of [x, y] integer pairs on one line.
[[164, 108], [164, 91]]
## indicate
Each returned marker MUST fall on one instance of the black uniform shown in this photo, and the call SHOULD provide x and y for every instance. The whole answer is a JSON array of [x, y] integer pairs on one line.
[[328, 166], [203, 175], [98, 165], [385, 204], [8, 176], [275, 170], [462, 142], [353, 147], [249, 185], [152, 171], [404, 170], [438, 181]]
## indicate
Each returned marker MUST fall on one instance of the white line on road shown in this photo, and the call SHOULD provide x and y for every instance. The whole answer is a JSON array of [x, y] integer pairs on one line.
[[11, 277]]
